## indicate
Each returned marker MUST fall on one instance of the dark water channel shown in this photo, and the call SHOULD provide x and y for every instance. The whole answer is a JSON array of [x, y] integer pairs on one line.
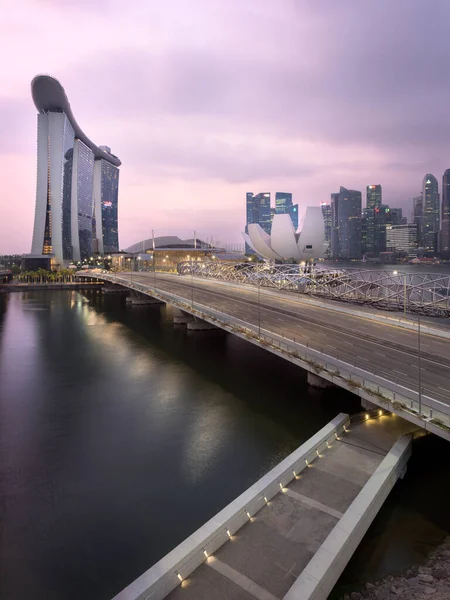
[[121, 434]]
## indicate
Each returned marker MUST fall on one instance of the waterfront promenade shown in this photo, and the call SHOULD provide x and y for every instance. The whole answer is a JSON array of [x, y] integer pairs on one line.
[[292, 533]]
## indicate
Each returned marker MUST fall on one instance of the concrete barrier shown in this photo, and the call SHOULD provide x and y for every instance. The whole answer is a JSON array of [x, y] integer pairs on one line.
[[321, 573], [165, 575]]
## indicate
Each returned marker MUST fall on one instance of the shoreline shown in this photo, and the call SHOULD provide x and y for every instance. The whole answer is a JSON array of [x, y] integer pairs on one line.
[[429, 579]]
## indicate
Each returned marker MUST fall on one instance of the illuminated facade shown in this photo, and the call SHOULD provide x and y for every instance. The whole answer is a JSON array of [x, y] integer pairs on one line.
[[284, 205], [66, 225], [346, 224], [431, 218], [445, 215]]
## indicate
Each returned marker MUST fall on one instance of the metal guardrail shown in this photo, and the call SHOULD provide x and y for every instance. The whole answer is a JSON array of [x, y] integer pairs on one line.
[[421, 293]]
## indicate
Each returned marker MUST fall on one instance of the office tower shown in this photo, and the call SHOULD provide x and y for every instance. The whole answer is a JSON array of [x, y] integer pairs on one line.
[[334, 237], [346, 224], [65, 198], [372, 218], [431, 216], [445, 215], [106, 195], [326, 211], [258, 211], [283, 205], [402, 238], [395, 216], [418, 217]]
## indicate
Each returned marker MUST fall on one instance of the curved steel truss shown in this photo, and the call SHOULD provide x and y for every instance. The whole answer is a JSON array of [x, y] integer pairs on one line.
[[423, 293]]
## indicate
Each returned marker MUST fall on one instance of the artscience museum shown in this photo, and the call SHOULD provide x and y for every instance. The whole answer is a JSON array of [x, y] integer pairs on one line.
[[284, 243]]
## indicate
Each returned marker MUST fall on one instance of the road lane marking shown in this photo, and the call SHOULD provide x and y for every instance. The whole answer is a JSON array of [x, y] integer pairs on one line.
[[401, 372]]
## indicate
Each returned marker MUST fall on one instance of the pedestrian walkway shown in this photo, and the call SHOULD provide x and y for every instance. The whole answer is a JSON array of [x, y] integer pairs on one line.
[[266, 556]]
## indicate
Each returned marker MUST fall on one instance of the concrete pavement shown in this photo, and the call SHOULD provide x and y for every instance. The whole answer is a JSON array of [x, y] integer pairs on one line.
[[266, 556]]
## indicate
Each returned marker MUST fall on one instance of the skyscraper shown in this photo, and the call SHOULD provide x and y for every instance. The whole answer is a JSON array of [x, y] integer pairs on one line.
[[106, 196], [431, 217], [65, 197], [372, 218], [418, 217], [445, 215], [283, 205], [326, 211], [346, 224], [258, 211]]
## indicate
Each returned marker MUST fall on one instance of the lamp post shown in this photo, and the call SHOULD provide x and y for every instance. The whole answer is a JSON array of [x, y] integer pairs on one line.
[[192, 284], [420, 367], [259, 300], [404, 291]]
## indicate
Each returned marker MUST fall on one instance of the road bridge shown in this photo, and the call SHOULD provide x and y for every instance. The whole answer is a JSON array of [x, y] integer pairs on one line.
[[403, 369]]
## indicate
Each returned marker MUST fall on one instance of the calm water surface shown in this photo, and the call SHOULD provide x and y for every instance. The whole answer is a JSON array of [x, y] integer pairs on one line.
[[121, 434]]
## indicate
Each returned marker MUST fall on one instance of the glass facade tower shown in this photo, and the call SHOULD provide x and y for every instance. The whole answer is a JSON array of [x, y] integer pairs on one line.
[[106, 196], [445, 215], [346, 224], [65, 200], [258, 211], [431, 214], [284, 205]]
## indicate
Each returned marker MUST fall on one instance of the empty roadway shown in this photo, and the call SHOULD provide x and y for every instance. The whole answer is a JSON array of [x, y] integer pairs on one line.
[[383, 349]]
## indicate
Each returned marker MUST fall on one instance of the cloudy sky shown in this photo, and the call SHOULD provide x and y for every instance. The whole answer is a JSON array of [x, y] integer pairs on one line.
[[204, 100]]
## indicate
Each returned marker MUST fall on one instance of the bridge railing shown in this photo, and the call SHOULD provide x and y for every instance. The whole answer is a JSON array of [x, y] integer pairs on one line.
[[332, 368]]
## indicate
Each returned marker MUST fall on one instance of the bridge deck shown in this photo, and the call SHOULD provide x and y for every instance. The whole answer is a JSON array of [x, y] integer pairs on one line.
[[269, 553]]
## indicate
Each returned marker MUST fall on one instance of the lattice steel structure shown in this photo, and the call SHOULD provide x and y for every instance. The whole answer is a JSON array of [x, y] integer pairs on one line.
[[420, 293]]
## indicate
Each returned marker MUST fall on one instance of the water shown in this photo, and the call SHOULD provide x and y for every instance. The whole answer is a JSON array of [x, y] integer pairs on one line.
[[121, 434]]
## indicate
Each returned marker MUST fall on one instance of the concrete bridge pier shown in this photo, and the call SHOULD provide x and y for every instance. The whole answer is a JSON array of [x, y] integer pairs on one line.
[[181, 318], [368, 405], [200, 325], [319, 382], [136, 299]]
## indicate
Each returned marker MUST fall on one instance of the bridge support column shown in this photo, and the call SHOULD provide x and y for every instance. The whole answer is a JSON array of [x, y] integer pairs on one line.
[[368, 405], [143, 300], [181, 318], [319, 382], [199, 325]]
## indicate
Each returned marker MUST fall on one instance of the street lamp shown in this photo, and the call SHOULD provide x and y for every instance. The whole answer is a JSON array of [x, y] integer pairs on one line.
[[419, 357], [192, 283], [404, 290], [259, 303]]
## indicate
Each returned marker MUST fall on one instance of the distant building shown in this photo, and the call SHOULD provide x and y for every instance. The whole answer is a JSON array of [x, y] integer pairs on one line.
[[445, 214], [431, 214], [371, 218], [402, 238], [106, 196], [418, 217], [326, 211], [346, 224], [284, 205], [67, 224], [258, 212]]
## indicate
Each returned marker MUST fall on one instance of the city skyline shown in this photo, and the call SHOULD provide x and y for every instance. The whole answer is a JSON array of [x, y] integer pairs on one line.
[[181, 112]]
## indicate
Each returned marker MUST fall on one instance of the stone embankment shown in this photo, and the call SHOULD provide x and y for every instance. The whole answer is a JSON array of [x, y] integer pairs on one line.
[[429, 581]]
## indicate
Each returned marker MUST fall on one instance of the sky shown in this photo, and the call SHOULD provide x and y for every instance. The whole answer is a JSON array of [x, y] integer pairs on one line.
[[204, 100]]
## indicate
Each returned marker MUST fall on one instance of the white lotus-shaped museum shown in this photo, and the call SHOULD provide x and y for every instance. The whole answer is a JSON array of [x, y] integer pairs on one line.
[[284, 243]]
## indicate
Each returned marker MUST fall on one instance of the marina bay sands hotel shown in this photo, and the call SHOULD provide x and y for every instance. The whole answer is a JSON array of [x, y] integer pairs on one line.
[[77, 184]]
